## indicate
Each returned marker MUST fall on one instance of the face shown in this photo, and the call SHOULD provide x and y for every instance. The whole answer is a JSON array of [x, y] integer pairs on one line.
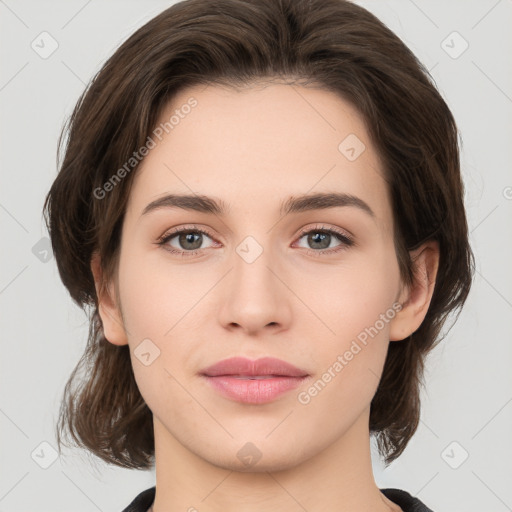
[[315, 286]]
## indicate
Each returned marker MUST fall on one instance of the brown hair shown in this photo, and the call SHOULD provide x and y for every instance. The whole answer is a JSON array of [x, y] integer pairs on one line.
[[334, 43]]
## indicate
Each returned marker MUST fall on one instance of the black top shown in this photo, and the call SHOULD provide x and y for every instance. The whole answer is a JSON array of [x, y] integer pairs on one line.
[[402, 498]]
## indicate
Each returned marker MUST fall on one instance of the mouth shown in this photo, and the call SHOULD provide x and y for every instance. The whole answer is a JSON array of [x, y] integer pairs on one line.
[[253, 382], [265, 367], [254, 389]]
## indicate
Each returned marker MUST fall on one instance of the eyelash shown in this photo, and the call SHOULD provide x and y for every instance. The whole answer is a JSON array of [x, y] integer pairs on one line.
[[346, 241]]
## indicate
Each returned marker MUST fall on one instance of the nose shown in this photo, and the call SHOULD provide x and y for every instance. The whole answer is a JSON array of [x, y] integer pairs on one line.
[[256, 297]]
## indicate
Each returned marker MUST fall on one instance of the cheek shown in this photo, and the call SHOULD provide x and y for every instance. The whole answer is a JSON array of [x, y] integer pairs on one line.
[[157, 294], [357, 305], [160, 305], [358, 308], [352, 296], [155, 306]]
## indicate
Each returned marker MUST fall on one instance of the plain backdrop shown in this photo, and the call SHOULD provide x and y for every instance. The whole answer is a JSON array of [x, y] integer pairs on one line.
[[460, 457]]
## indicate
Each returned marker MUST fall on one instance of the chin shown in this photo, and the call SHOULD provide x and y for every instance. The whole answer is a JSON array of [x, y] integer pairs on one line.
[[248, 458]]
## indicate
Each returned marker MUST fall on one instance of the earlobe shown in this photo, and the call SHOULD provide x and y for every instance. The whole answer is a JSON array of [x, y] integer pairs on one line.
[[108, 309], [416, 298]]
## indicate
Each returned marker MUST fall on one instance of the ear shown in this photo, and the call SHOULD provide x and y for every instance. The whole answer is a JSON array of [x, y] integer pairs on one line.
[[109, 311], [415, 299]]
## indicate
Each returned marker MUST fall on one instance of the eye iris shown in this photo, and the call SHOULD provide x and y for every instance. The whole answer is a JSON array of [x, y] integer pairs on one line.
[[185, 238], [320, 237]]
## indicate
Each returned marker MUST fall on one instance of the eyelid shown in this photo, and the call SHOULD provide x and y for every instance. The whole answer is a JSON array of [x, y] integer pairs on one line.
[[180, 229], [321, 227]]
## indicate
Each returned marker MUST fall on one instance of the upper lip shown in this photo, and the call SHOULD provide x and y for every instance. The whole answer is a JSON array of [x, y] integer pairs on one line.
[[263, 366]]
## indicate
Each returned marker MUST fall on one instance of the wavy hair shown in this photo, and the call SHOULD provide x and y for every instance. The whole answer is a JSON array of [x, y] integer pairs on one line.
[[334, 44]]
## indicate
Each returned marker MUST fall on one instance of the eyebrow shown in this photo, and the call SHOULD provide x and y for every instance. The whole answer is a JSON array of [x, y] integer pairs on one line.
[[295, 204]]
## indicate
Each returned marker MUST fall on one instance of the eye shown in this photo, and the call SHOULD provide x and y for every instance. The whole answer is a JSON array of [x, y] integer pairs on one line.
[[320, 239], [189, 241]]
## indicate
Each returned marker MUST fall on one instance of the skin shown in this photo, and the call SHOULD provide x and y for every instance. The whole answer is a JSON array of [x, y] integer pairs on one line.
[[254, 148]]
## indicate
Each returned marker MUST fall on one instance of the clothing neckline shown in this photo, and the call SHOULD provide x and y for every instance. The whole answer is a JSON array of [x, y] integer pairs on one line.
[[403, 499]]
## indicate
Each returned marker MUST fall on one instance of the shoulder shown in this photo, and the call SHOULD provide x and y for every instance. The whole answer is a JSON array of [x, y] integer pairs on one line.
[[142, 502], [405, 501]]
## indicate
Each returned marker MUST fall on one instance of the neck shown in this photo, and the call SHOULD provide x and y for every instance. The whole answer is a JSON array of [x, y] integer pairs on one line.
[[339, 478]]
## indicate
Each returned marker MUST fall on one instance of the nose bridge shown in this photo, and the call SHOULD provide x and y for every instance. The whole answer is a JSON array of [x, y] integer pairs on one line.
[[256, 297], [251, 273]]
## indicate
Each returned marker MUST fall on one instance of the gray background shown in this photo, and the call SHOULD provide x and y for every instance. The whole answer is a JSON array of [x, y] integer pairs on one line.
[[467, 403]]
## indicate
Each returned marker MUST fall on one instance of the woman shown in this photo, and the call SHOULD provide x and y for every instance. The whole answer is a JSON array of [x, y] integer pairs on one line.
[[261, 203]]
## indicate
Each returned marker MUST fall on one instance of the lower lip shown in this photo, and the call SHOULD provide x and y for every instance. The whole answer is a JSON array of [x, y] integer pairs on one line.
[[255, 391]]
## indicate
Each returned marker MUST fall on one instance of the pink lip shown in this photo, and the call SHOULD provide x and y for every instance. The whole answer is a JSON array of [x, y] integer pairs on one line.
[[227, 377]]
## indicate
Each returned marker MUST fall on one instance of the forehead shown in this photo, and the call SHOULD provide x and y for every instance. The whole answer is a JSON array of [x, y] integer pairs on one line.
[[259, 144]]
